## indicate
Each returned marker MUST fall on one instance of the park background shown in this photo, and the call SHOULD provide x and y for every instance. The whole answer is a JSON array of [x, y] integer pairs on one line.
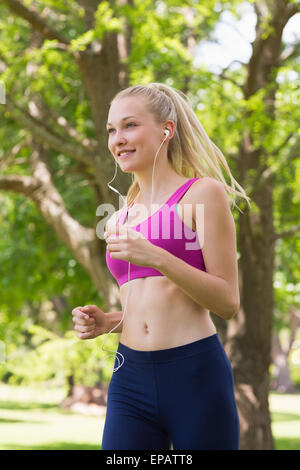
[[61, 62]]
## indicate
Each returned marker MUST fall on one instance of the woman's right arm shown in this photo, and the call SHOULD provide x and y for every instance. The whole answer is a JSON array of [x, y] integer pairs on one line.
[[90, 321], [112, 319]]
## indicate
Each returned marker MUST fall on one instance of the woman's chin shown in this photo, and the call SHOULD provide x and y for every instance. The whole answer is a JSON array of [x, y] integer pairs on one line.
[[128, 167]]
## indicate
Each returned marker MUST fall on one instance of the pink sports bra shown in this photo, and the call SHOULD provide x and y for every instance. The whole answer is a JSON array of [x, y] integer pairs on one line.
[[166, 230]]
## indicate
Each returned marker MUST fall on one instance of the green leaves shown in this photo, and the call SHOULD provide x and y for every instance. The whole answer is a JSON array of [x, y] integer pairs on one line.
[[105, 23], [35, 266], [80, 43]]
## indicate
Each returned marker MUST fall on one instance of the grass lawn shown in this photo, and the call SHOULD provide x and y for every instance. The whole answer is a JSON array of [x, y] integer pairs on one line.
[[285, 415], [31, 419]]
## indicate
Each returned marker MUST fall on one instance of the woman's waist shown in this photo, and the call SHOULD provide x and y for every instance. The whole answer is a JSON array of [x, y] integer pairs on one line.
[[184, 350], [164, 329]]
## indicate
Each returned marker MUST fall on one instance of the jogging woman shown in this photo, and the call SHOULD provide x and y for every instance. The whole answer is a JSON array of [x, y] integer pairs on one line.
[[176, 385]]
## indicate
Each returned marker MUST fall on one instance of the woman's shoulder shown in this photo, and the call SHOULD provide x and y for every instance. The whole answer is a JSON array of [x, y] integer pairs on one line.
[[208, 190], [207, 184]]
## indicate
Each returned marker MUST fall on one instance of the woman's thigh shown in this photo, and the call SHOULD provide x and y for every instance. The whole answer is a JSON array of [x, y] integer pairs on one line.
[[196, 398], [125, 432], [131, 416]]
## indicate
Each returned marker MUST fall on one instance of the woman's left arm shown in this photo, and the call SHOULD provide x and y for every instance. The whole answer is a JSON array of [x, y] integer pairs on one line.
[[216, 289]]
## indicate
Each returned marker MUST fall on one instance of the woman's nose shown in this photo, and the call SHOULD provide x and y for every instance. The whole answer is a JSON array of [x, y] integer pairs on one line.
[[119, 138]]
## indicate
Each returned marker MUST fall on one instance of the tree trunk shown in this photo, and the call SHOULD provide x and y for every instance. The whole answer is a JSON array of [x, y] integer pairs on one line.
[[248, 342], [249, 334], [280, 352], [282, 378]]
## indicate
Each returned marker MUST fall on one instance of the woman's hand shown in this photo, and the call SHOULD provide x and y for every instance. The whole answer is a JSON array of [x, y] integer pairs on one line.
[[129, 245], [90, 321]]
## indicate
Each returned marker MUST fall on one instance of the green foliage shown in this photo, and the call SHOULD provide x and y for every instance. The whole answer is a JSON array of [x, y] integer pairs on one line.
[[35, 266], [105, 23], [53, 358]]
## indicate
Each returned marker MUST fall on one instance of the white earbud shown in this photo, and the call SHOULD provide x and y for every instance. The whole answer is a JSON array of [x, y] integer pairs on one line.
[[166, 132]]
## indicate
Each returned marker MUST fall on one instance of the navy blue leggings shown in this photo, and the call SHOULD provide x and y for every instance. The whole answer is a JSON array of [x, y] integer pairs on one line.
[[182, 395]]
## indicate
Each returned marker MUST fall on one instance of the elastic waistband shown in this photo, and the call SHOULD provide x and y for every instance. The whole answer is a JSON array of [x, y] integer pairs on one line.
[[164, 355]]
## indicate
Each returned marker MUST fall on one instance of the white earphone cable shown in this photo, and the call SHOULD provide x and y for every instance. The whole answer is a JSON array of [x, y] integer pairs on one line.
[[166, 132]]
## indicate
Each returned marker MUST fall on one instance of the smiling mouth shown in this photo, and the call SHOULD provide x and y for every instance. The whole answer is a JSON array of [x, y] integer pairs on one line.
[[127, 154]]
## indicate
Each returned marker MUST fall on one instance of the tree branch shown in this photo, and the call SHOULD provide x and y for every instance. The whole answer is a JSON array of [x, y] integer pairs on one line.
[[26, 185], [90, 145], [90, 7], [290, 53], [13, 151], [265, 47], [38, 23], [224, 77], [293, 8], [80, 240], [85, 153], [233, 62], [287, 233], [283, 143], [265, 173], [46, 135]]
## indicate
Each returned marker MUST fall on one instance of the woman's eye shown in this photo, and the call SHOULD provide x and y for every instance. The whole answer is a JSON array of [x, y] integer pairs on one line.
[[128, 124]]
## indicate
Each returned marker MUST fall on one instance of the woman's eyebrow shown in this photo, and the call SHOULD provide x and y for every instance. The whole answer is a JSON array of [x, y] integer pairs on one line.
[[109, 123]]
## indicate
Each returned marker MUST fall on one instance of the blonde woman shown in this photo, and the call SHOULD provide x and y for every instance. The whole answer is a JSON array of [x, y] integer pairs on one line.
[[176, 385]]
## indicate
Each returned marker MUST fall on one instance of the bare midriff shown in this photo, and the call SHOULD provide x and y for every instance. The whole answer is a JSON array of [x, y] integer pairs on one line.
[[159, 315]]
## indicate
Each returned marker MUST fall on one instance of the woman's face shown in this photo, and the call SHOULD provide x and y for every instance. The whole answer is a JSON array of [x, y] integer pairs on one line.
[[139, 134]]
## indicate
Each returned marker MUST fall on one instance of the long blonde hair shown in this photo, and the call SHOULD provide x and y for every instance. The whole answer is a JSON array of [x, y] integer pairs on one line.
[[191, 153]]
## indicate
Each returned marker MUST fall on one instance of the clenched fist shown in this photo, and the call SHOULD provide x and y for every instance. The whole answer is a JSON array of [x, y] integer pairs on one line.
[[90, 321]]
